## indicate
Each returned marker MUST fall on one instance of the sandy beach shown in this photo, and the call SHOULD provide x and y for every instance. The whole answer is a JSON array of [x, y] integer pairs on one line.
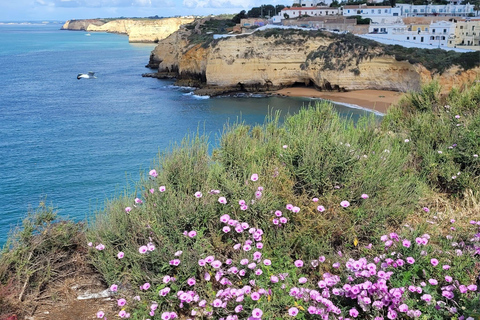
[[378, 100]]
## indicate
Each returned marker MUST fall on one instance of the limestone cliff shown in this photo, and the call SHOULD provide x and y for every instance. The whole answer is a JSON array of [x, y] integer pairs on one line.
[[138, 30], [81, 25], [271, 60]]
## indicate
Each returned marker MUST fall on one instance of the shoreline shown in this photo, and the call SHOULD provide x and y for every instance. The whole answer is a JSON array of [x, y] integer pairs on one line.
[[375, 100]]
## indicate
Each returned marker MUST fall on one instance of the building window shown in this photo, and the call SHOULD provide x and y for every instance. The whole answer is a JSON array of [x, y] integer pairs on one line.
[[386, 10], [443, 37], [379, 11], [414, 38], [433, 30], [421, 39], [432, 38], [444, 30], [408, 38]]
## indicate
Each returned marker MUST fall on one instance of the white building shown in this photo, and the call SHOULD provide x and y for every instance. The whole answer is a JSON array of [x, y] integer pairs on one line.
[[295, 12], [378, 14], [437, 34], [450, 9], [314, 3]]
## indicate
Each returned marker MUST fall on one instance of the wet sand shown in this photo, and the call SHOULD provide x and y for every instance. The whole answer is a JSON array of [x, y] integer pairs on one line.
[[378, 100]]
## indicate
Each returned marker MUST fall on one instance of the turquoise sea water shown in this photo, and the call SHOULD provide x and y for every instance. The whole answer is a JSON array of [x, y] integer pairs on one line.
[[78, 142]]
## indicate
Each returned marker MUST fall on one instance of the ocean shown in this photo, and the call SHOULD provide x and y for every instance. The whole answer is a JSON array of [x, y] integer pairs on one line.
[[75, 143]]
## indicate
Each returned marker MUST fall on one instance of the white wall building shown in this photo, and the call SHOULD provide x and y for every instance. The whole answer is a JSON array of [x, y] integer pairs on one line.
[[314, 3], [295, 12], [378, 14], [437, 34], [450, 9]]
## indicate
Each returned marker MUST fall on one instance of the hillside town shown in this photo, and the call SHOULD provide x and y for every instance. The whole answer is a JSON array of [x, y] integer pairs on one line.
[[451, 26]]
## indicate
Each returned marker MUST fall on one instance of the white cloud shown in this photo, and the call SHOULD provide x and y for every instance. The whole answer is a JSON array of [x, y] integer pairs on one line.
[[106, 3]]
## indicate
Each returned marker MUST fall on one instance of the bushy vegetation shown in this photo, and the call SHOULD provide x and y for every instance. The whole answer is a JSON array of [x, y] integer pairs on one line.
[[39, 253], [309, 217]]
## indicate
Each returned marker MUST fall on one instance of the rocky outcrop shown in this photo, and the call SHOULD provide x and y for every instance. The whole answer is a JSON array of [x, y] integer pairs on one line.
[[138, 30], [81, 25], [143, 30], [271, 60]]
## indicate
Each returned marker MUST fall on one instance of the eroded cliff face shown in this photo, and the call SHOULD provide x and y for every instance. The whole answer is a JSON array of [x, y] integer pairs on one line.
[[260, 62], [81, 25], [138, 30], [143, 30]]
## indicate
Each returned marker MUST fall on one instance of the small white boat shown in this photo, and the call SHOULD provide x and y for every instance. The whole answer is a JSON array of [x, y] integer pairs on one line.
[[89, 75], [87, 34]]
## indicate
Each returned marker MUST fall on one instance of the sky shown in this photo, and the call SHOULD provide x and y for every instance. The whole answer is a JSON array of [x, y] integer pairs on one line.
[[27, 10]]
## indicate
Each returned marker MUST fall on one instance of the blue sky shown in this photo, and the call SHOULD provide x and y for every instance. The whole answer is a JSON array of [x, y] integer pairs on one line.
[[22, 10]]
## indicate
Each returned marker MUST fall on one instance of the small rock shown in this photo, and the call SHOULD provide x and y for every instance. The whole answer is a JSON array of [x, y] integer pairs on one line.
[[88, 295]]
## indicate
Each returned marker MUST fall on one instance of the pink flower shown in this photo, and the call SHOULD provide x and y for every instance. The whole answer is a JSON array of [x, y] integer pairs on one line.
[[285, 146], [121, 302], [192, 234], [410, 260], [257, 313], [274, 279], [137, 200], [145, 286], [222, 200], [353, 312], [406, 243], [128, 209], [100, 247], [120, 255], [100, 314], [426, 209], [226, 229], [315, 199], [426, 297], [143, 249], [216, 264], [153, 173], [433, 282], [191, 281], [113, 287], [255, 296], [472, 287], [321, 208], [434, 262], [293, 311], [198, 194], [364, 196], [345, 204], [298, 263], [267, 262], [162, 189], [254, 177], [448, 279]]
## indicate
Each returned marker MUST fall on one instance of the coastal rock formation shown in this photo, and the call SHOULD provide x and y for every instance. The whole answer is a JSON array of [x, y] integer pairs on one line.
[[81, 25], [138, 30], [272, 59]]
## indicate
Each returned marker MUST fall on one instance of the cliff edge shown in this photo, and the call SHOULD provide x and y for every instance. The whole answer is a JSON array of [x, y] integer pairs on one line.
[[277, 58], [138, 30]]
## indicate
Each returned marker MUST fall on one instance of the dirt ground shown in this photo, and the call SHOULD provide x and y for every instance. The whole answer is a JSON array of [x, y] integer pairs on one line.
[[58, 300]]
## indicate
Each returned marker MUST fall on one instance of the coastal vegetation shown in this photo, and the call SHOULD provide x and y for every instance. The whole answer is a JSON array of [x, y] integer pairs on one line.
[[311, 216]]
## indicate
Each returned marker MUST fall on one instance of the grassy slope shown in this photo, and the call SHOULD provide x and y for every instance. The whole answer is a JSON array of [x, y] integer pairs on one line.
[[325, 157]]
